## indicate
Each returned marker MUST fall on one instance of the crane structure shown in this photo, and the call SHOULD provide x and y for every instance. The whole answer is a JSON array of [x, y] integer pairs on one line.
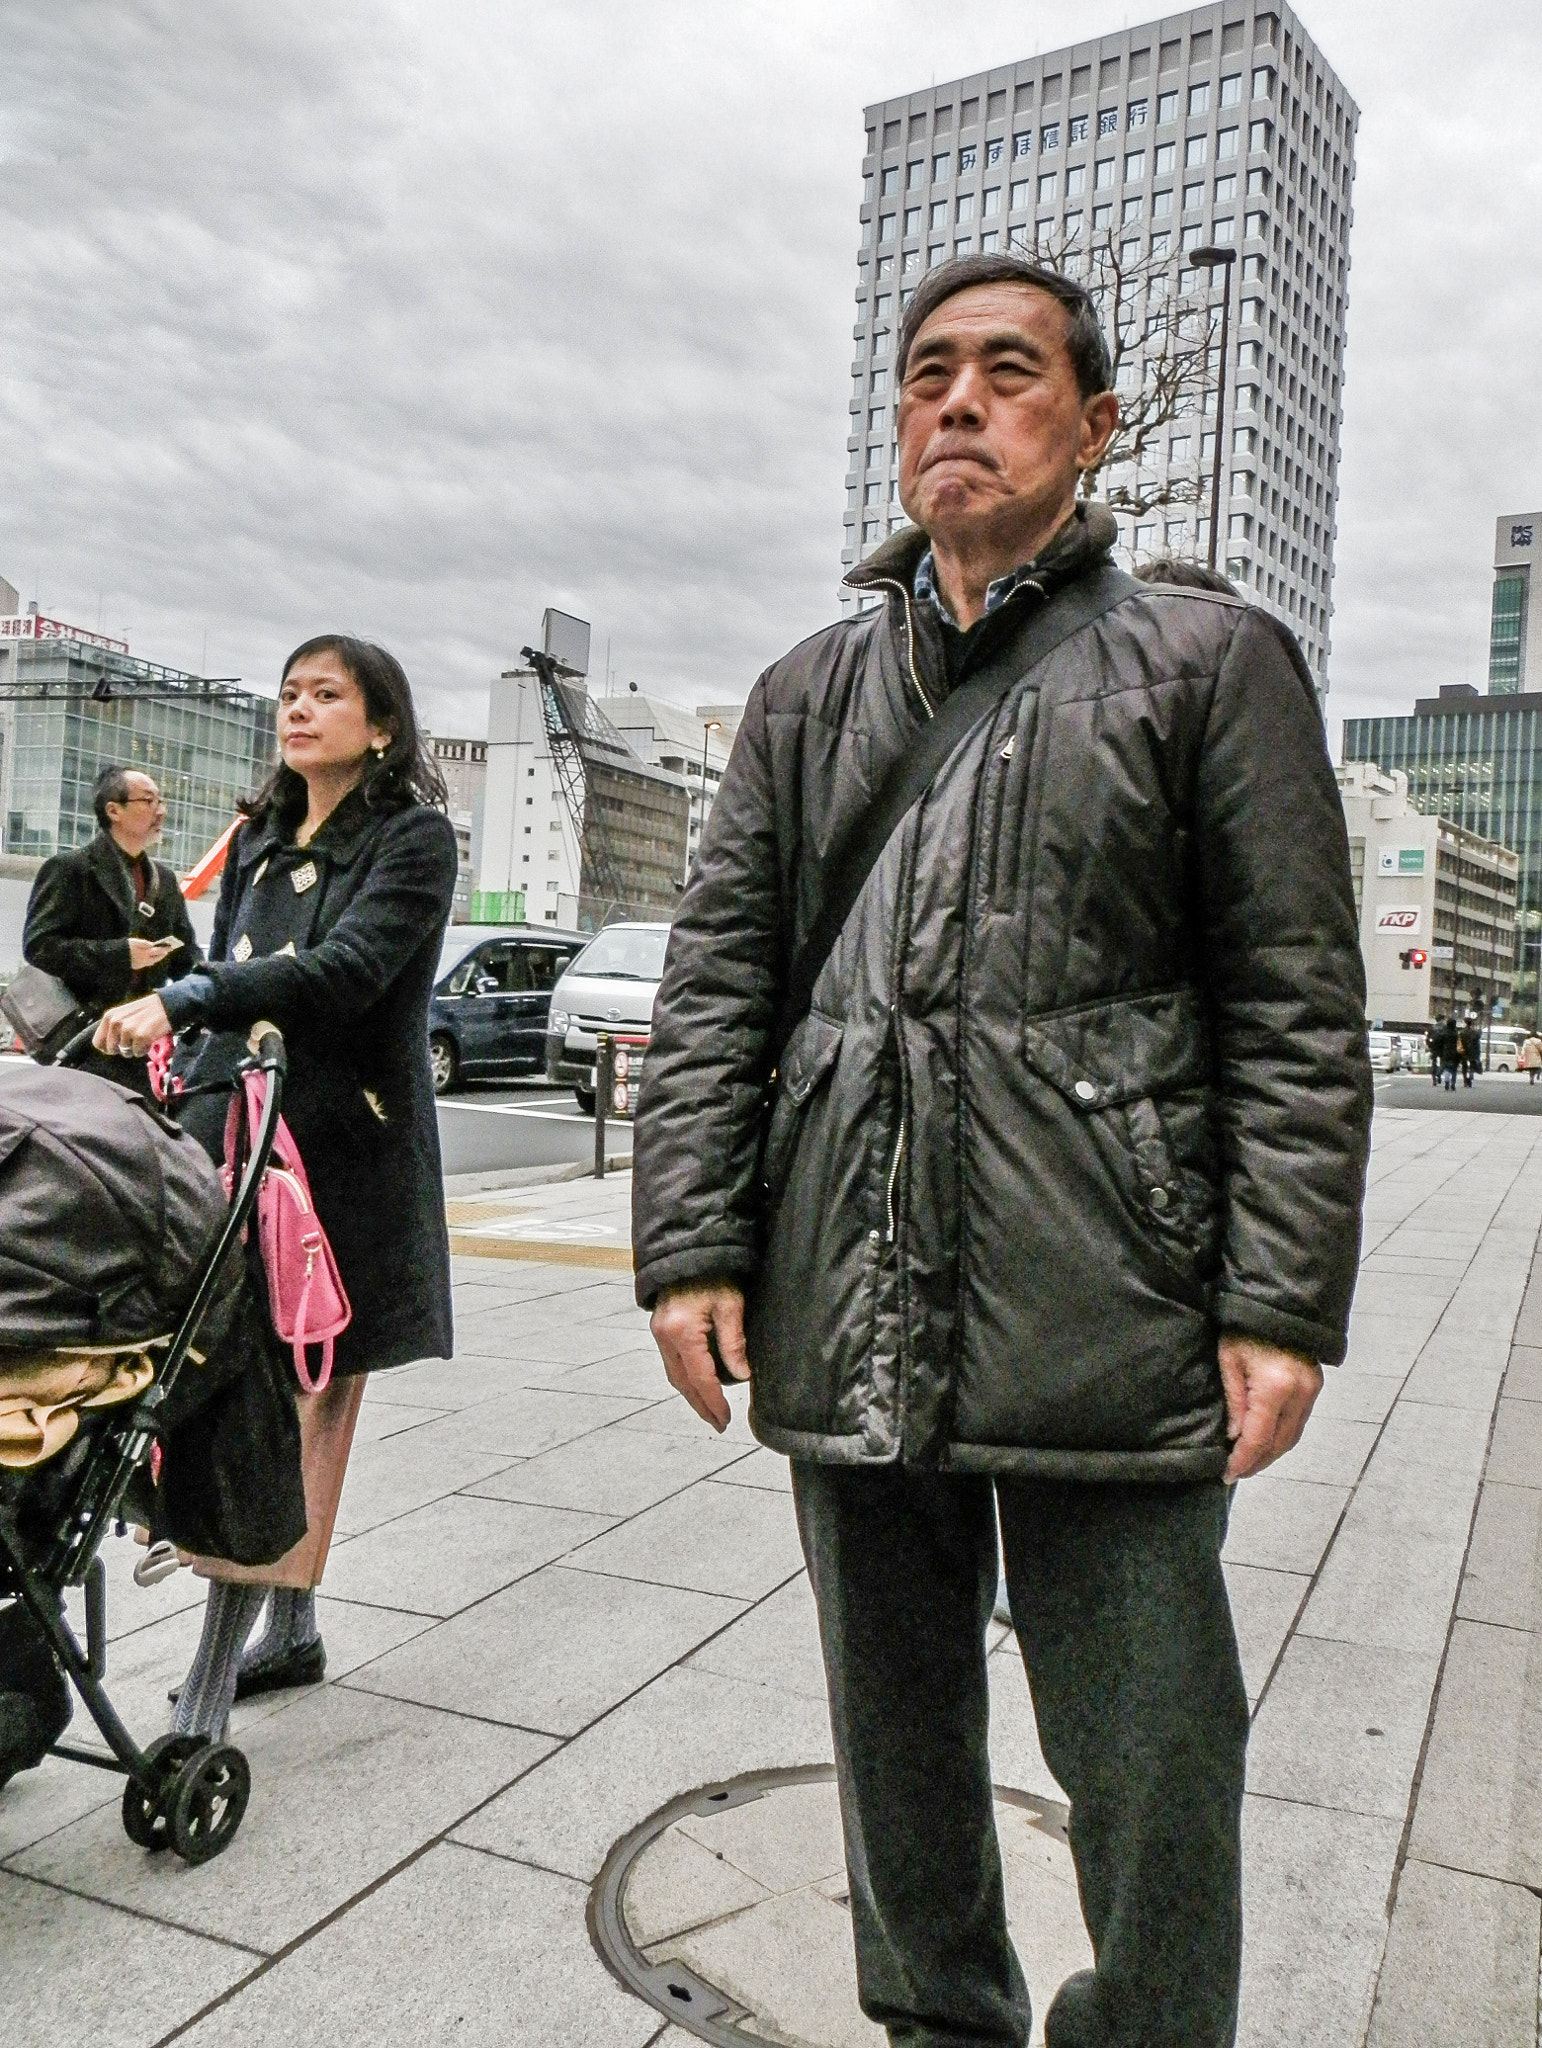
[[570, 733]]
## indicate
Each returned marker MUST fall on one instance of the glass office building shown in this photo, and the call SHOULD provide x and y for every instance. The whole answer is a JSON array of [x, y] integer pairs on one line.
[[1225, 126], [73, 703], [1515, 626], [1478, 762]]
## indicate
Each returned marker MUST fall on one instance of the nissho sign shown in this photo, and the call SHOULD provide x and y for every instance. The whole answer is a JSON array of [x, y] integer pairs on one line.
[[1400, 860]]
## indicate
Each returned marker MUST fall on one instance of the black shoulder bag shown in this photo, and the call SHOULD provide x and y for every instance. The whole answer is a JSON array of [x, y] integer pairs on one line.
[[914, 771]]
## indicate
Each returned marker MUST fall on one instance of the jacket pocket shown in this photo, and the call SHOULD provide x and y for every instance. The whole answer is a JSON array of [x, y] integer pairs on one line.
[[1137, 1071], [808, 1061], [1102, 1054]]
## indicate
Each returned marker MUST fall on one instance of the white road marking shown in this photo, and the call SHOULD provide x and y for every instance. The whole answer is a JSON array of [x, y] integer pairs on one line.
[[550, 1116], [538, 1228]]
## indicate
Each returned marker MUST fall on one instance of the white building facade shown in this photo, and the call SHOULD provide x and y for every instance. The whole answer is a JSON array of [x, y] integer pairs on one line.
[[1436, 905], [528, 841], [1222, 126]]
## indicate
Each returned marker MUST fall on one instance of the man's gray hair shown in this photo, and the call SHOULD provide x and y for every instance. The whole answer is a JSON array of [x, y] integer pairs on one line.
[[1085, 342], [110, 787]]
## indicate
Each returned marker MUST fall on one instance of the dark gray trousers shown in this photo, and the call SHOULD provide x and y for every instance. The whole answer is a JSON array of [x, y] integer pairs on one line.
[[1125, 1630]]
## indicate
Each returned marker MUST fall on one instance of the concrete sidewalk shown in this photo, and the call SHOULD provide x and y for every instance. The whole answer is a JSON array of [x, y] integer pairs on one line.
[[575, 1222], [558, 1602]]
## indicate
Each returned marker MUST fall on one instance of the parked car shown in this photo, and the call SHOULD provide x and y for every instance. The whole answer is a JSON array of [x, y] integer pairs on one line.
[[609, 987], [1388, 1051], [491, 998]]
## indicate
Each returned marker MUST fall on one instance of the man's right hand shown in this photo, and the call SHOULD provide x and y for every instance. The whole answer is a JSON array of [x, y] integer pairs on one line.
[[150, 952], [684, 1319]]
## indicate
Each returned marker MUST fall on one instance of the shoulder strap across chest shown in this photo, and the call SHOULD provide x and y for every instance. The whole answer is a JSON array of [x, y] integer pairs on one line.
[[913, 772]]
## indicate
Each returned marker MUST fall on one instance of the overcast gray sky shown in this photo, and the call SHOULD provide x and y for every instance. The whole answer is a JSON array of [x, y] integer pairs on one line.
[[410, 317]]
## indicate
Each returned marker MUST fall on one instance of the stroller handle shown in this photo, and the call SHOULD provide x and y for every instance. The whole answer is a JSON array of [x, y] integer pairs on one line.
[[74, 1050], [265, 1043]]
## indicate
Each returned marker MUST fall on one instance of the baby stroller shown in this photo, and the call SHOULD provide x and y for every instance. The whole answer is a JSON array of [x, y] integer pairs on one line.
[[58, 1499]]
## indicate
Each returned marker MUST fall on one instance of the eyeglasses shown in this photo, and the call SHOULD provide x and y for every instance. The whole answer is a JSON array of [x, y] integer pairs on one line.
[[156, 802]]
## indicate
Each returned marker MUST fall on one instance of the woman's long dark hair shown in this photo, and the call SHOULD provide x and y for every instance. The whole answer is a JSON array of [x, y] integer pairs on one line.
[[406, 773]]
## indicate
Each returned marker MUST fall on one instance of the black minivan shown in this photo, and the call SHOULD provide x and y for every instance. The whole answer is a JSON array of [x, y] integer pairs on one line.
[[487, 1018]]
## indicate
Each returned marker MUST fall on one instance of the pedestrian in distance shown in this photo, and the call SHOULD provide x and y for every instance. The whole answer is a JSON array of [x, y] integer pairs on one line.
[[1531, 1057], [331, 913], [1469, 1048], [1030, 884], [108, 918], [1446, 1052]]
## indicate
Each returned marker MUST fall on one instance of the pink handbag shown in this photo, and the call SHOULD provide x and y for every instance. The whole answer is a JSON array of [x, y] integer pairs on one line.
[[305, 1289]]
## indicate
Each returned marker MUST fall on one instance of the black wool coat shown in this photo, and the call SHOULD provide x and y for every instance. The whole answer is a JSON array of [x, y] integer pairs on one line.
[[337, 943], [1085, 1079], [82, 913]]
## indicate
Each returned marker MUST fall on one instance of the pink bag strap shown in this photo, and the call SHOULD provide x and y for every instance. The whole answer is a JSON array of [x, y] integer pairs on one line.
[[301, 1363]]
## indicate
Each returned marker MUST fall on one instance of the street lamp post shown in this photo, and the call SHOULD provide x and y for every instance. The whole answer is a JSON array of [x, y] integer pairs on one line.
[[1217, 258], [708, 727]]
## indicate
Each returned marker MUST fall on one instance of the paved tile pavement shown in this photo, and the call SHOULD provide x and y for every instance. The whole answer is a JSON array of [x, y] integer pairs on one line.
[[557, 1603]]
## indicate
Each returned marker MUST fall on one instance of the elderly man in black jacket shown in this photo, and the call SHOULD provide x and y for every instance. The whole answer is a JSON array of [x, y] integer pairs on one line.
[[1056, 1215], [109, 919]]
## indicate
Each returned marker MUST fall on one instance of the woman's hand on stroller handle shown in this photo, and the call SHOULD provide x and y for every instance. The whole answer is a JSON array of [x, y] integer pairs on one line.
[[132, 1028], [265, 1043]]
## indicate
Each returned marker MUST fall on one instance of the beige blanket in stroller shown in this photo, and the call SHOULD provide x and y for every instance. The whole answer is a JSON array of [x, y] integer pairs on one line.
[[41, 1395]]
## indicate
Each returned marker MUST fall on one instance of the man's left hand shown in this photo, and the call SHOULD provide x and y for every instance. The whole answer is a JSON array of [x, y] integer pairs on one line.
[[1269, 1395], [132, 1028]]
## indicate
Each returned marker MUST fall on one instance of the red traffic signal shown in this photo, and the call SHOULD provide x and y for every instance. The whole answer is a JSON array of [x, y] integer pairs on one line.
[[1414, 957]]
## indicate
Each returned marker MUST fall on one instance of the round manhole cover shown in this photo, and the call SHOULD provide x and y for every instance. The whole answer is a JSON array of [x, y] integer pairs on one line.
[[728, 1910]]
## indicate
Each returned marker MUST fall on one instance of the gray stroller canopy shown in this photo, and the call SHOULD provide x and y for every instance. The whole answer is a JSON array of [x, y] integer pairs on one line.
[[106, 1211]]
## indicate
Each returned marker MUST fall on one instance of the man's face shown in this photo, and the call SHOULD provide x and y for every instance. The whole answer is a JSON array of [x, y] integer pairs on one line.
[[993, 430], [136, 823]]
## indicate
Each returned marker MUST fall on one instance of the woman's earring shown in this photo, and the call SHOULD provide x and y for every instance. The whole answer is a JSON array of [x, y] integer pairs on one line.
[[379, 747]]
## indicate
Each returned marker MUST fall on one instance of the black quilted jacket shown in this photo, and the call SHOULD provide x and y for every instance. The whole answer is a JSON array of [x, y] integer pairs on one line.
[[1085, 1079]]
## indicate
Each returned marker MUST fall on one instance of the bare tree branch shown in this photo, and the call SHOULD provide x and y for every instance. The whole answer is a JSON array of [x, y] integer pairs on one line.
[[1163, 344]]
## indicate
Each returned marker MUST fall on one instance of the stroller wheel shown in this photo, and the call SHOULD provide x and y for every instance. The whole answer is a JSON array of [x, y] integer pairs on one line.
[[145, 1800], [206, 1801]]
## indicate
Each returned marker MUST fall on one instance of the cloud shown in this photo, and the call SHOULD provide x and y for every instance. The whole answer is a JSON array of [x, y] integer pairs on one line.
[[413, 319]]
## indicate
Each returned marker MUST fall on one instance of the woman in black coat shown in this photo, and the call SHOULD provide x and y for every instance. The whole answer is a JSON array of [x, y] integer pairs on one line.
[[331, 914]]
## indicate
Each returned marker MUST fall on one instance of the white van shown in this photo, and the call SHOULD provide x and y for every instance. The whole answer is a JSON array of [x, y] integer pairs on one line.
[[610, 987], [1502, 1043]]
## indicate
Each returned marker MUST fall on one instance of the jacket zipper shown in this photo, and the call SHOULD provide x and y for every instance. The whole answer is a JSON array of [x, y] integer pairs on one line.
[[892, 583], [894, 1167]]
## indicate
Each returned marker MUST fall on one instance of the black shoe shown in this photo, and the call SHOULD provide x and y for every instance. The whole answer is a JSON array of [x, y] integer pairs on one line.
[[305, 1666]]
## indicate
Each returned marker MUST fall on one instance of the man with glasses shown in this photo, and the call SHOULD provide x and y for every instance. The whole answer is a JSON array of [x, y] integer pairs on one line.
[[107, 918]]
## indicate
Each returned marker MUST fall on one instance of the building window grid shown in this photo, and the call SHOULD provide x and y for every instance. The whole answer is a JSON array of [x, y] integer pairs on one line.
[[1283, 308]]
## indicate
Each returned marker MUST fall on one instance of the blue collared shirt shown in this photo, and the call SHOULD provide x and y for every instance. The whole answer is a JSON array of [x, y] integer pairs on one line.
[[927, 592]]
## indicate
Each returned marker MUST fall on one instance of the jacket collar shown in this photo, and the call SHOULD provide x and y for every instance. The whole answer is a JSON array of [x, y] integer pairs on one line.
[[1084, 539], [939, 656], [340, 841], [109, 864]]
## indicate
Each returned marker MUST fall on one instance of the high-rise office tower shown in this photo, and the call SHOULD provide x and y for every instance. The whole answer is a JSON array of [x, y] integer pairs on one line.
[[1515, 626], [1220, 128]]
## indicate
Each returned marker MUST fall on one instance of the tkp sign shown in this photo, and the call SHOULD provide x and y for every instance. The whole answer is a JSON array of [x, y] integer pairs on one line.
[[1399, 920]]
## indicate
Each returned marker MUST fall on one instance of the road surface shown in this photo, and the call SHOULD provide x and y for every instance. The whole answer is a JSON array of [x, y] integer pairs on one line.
[[520, 1124]]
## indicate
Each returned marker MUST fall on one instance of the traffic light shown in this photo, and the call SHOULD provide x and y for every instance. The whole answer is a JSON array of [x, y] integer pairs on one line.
[[1414, 957]]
